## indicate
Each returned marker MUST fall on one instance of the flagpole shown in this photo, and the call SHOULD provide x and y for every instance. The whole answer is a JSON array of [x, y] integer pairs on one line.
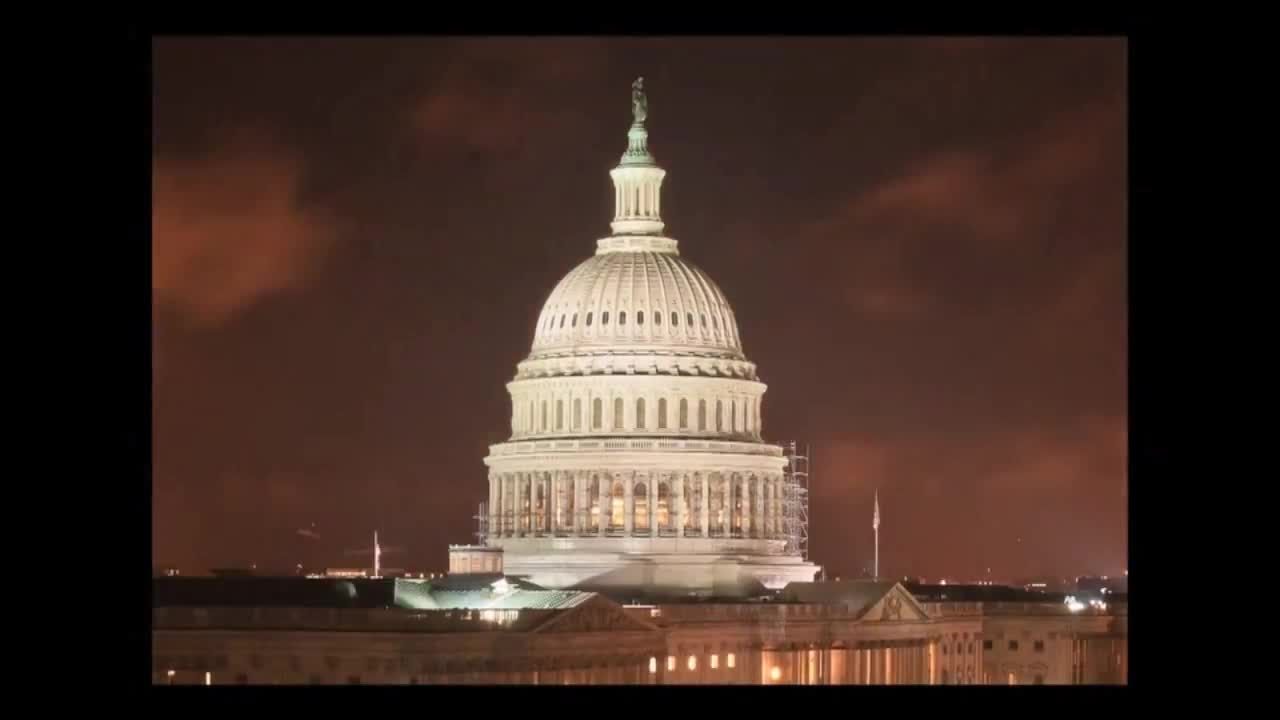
[[875, 525]]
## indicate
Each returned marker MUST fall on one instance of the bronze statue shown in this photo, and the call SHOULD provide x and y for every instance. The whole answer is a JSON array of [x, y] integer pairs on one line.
[[639, 103]]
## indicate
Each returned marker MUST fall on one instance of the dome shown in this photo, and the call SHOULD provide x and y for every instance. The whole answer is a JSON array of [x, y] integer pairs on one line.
[[637, 302]]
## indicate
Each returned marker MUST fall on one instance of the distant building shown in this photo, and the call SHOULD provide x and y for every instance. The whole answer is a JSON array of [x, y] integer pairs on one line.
[[475, 559]]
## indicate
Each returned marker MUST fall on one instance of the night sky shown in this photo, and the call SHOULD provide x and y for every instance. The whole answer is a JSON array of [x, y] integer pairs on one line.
[[924, 242]]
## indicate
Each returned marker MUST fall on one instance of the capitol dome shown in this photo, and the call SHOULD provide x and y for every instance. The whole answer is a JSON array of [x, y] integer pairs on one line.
[[628, 299], [636, 462]]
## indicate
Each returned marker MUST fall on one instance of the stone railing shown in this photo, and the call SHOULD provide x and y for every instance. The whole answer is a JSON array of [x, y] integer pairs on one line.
[[648, 444]]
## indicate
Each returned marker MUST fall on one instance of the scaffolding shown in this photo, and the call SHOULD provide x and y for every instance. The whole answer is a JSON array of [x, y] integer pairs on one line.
[[795, 502], [482, 524]]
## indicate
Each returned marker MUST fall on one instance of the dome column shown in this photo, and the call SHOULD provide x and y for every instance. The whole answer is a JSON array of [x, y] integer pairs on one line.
[[677, 495], [629, 504], [705, 520]]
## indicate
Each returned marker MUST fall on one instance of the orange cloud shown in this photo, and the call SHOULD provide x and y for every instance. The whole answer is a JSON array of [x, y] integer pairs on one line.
[[229, 229]]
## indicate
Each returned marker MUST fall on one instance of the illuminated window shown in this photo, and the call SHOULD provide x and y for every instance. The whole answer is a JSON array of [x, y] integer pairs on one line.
[[639, 317], [729, 660], [684, 414], [653, 665], [662, 413], [1038, 646], [715, 661], [622, 318], [693, 662], [588, 319], [675, 318], [639, 413], [604, 318], [702, 414], [775, 673], [1013, 679], [671, 663], [597, 413]]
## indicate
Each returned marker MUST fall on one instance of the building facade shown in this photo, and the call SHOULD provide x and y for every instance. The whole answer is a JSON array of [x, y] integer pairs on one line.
[[636, 461]]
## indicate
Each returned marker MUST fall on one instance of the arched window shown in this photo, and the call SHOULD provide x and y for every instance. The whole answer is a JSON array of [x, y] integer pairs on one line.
[[639, 317], [684, 414], [719, 416], [662, 413], [577, 413], [597, 414], [689, 318], [657, 318], [675, 318], [640, 500], [604, 318], [622, 318], [617, 413], [618, 511], [574, 322], [702, 414], [639, 413], [588, 319], [559, 414]]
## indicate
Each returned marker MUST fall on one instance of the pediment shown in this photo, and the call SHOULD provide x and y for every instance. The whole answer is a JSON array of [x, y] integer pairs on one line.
[[897, 605], [596, 615]]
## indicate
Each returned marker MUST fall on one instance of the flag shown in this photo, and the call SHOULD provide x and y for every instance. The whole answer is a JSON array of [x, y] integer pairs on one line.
[[875, 519]]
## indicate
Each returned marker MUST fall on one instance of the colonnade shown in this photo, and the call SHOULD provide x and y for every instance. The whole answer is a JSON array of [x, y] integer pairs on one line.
[[585, 503]]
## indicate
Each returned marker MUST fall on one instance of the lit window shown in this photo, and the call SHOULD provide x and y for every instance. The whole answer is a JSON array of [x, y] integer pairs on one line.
[[729, 660], [671, 663], [693, 662], [622, 318], [639, 317], [653, 665], [604, 318], [715, 661], [775, 673]]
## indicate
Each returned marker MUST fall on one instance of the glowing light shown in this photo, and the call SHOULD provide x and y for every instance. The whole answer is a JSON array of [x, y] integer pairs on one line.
[[693, 662], [501, 586], [671, 663], [944, 581], [729, 660], [1072, 604], [715, 661], [653, 665], [208, 678], [775, 673]]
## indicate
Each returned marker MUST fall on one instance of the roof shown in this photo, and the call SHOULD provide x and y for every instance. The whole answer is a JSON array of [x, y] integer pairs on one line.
[[453, 592], [979, 593], [856, 595]]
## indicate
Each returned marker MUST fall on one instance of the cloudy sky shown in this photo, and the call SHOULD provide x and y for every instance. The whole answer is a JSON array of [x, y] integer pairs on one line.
[[924, 241]]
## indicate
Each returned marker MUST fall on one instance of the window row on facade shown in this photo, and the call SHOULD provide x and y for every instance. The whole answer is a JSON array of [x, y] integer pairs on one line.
[[659, 505], [672, 325], [734, 415]]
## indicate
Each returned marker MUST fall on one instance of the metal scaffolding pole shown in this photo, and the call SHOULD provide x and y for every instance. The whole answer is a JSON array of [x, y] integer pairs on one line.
[[795, 502]]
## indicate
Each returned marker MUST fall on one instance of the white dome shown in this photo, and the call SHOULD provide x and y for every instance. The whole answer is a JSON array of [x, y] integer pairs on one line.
[[637, 302]]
